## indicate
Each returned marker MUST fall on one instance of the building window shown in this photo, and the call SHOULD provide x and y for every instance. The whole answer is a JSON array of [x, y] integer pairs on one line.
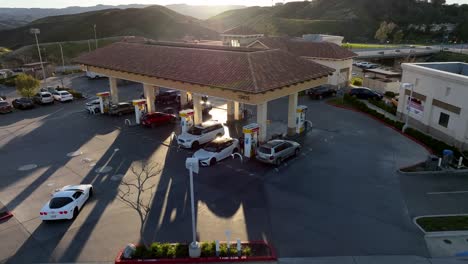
[[447, 91], [444, 119], [235, 43]]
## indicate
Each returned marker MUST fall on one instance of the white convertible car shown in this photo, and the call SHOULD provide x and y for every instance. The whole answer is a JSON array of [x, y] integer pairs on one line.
[[66, 202], [217, 150]]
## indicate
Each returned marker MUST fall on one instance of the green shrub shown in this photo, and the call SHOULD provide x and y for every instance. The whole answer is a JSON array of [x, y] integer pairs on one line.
[[160, 250], [10, 81], [141, 252], [208, 249], [76, 94], [356, 81], [390, 94], [246, 251], [181, 250], [382, 105]]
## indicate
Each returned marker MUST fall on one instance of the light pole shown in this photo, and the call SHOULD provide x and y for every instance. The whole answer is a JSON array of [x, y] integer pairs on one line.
[[194, 249], [89, 46], [61, 53], [95, 35], [404, 86], [36, 31]]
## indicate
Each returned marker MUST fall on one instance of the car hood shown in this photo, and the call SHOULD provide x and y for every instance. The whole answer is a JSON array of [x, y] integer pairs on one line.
[[187, 136], [202, 154]]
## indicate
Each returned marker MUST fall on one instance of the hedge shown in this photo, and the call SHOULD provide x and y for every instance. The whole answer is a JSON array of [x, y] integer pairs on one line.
[[435, 145], [382, 105], [10, 81], [76, 94], [168, 251]]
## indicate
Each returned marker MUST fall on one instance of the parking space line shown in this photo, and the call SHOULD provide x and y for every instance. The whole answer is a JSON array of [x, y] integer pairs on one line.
[[452, 192]]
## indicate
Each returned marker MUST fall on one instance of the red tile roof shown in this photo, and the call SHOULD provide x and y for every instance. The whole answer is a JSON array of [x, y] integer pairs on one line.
[[325, 50], [240, 30], [236, 69]]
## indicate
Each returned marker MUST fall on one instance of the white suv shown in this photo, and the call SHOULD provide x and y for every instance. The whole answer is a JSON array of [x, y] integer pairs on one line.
[[62, 96], [200, 134], [43, 98]]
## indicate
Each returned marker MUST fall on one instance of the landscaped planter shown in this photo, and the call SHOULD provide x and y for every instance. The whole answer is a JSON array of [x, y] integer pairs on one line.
[[259, 251], [5, 215]]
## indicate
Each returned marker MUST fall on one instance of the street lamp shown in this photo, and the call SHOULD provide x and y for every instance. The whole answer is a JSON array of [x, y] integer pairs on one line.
[[36, 31], [95, 35], [194, 248], [405, 86]]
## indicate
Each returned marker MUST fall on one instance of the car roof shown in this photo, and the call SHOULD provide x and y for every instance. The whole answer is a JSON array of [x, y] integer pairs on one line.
[[208, 124], [124, 103], [62, 91], [44, 93], [272, 143], [68, 194], [222, 140]]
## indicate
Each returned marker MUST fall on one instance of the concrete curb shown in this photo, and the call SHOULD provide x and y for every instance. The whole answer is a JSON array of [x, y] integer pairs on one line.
[[439, 233], [464, 171]]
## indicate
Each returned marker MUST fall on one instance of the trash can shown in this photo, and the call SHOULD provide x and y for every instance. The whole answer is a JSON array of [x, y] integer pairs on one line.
[[447, 157], [432, 162]]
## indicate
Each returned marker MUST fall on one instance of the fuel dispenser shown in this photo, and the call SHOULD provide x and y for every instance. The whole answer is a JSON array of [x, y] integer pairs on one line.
[[104, 101], [300, 118], [250, 139], [186, 119], [140, 109]]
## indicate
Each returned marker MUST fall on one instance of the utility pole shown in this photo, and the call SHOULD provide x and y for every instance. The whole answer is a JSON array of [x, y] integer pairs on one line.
[[36, 31], [95, 35], [61, 52]]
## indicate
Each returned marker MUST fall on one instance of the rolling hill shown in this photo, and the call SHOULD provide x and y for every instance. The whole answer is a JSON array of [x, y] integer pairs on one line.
[[156, 22], [357, 20], [202, 11]]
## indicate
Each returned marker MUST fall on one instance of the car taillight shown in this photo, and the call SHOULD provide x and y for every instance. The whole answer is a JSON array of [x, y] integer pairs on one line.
[[60, 212], [40, 213], [43, 213]]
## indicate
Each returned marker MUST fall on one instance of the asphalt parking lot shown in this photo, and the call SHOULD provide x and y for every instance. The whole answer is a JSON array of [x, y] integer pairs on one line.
[[341, 196]]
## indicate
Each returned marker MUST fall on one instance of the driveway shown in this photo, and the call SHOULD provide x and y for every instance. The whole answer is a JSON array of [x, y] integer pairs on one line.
[[340, 197]]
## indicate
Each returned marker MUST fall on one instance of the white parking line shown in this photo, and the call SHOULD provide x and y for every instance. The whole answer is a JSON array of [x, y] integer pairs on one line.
[[453, 192]]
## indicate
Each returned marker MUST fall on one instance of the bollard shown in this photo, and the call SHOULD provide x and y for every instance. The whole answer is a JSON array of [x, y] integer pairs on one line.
[[239, 248], [440, 162], [217, 247], [460, 162]]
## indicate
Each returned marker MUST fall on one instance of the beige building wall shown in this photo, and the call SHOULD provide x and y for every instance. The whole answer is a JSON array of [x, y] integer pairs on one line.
[[440, 92], [342, 74]]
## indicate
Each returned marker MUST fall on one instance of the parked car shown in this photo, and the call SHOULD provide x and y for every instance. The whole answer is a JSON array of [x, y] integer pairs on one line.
[[200, 134], [23, 103], [93, 106], [365, 93], [322, 92], [370, 66], [276, 151], [206, 105], [168, 97], [43, 98], [5, 107], [62, 96], [158, 118], [121, 109], [216, 151], [66, 202]]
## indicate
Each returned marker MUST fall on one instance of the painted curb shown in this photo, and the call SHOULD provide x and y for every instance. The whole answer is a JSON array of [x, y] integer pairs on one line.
[[382, 122], [8, 215], [272, 258], [439, 233]]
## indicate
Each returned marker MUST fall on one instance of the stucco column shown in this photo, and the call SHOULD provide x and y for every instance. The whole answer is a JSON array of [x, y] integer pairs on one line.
[[237, 113], [197, 109], [149, 93], [114, 90], [262, 121], [292, 108], [183, 98], [230, 111], [189, 96]]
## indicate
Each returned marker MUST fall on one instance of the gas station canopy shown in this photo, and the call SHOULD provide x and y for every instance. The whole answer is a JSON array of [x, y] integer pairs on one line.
[[244, 75]]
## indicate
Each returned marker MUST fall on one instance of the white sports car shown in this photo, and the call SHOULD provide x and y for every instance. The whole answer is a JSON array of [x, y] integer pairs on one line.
[[66, 202], [217, 150]]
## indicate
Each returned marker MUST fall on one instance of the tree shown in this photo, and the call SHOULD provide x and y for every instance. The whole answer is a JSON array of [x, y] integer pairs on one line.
[[398, 36], [26, 85], [438, 2], [132, 192], [384, 30]]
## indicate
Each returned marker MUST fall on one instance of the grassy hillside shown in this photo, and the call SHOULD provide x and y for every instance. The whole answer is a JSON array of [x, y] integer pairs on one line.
[[156, 22], [357, 20], [202, 11]]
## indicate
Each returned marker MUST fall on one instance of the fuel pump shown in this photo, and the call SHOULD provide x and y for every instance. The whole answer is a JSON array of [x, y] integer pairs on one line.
[[104, 101], [186, 119], [250, 139], [140, 109], [300, 118]]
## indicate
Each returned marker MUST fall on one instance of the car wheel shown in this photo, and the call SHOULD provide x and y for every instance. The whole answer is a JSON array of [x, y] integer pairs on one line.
[[278, 161], [235, 150], [195, 145], [296, 152], [75, 213], [212, 161]]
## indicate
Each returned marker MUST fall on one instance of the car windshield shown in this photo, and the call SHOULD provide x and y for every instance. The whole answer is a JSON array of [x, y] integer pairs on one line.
[[45, 95], [59, 202], [212, 147], [195, 131], [264, 150]]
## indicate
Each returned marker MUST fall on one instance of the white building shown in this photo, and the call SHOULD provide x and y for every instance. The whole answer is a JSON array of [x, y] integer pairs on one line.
[[325, 53], [440, 100]]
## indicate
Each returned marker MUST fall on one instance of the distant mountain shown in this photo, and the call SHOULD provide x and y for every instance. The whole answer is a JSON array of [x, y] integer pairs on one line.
[[357, 20], [16, 17], [202, 12], [156, 22]]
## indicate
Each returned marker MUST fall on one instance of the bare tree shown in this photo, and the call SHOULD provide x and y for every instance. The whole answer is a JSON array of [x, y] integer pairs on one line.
[[131, 192]]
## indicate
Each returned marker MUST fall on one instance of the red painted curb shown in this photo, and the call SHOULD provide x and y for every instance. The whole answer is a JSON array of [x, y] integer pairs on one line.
[[382, 122], [273, 257], [8, 215]]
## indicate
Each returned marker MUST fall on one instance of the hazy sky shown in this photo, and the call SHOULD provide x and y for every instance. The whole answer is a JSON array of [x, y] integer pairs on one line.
[[65, 3]]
